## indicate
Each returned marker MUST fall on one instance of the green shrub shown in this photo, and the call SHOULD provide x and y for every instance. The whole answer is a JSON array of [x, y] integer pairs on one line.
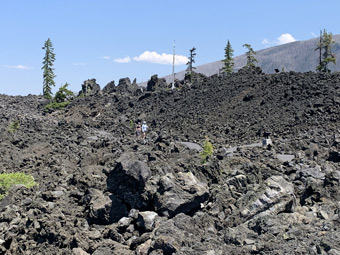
[[55, 106], [8, 180], [61, 100], [208, 150], [14, 127], [63, 94]]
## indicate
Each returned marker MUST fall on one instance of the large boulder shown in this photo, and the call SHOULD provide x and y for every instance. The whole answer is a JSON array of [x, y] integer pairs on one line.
[[276, 195], [109, 88], [125, 86], [89, 87], [183, 234], [155, 83], [128, 179], [104, 209], [146, 220], [180, 193]]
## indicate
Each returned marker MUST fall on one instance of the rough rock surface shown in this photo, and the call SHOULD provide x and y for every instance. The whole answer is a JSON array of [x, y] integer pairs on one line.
[[102, 190], [156, 84], [89, 87]]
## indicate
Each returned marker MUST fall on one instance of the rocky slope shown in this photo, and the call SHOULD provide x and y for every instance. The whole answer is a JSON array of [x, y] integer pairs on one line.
[[102, 190]]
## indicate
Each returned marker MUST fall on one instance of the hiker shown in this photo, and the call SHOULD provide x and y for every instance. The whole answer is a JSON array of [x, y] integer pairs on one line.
[[138, 129], [144, 129]]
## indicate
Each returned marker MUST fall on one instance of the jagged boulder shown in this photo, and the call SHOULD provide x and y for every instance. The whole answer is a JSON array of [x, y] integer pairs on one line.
[[89, 87], [155, 83], [146, 220], [128, 179], [104, 209], [276, 196], [184, 234], [180, 193], [125, 86], [109, 88]]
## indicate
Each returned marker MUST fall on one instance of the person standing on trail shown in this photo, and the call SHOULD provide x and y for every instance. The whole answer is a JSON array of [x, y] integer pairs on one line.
[[138, 129], [144, 129]]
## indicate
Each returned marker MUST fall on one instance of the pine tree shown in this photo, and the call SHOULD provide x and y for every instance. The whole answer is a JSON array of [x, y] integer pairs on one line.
[[250, 56], [325, 46], [208, 150], [48, 74], [190, 68], [229, 60], [63, 94]]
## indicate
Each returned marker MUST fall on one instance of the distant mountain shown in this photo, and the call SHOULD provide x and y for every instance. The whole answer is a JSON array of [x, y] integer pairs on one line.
[[299, 56]]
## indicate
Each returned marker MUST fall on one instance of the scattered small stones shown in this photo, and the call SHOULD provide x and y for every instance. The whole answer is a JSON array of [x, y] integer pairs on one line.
[[102, 190]]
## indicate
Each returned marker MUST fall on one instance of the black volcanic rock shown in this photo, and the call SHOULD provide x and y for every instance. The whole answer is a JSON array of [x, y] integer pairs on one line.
[[89, 87], [155, 83], [102, 190], [128, 179], [109, 88]]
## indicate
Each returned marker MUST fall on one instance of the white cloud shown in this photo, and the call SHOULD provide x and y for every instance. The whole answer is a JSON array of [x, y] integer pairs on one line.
[[265, 41], [21, 67], [165, 59], [313, 34], [79, 64], [106, 57], [282, 39], [127, 59], [285, 38]]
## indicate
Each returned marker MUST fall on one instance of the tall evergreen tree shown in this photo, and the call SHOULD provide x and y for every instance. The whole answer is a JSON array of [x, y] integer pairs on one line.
[[191, 59], [229, 60], [48, 74], [250, 56], [325, 49], [190, 68]]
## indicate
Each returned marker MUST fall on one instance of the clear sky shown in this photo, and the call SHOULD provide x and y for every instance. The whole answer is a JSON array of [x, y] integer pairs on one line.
[[112, 39]]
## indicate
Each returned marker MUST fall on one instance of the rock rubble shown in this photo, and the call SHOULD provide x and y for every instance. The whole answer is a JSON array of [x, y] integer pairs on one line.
[[102, 190]]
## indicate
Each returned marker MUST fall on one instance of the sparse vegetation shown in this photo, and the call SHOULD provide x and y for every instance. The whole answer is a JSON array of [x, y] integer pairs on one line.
[[208, 150], [61, 100], [48, 74], [14, 127], [7, 180], [325, 49], [55, 106], [229, 60], [63, 94], [251, 60]]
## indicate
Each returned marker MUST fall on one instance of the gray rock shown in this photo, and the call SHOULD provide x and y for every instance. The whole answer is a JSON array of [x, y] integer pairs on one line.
[[271, 200], [89, 87], [155, 83], [180, 193], [314, 172], [146, 220], [192, 146], [79, 251], [128, 179], [104, 209], [323, 215], [124, 222], [133, 214], [109, 88], [94, 234]]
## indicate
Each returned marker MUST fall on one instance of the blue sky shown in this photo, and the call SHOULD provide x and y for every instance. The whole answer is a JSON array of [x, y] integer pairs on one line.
[[109, 40]]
